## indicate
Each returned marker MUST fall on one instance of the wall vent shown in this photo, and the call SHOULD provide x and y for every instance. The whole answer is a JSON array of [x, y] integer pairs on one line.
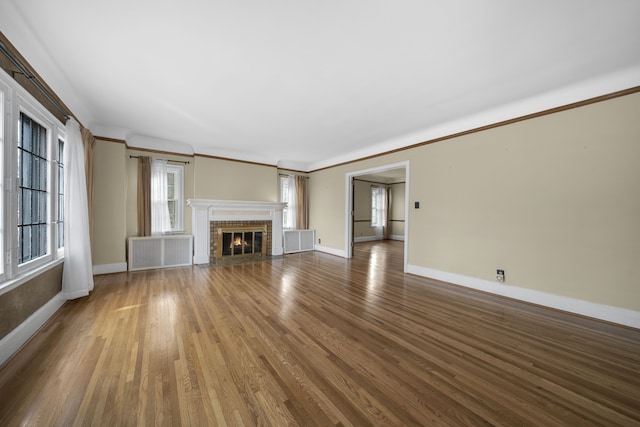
[[299, 240], [160, 252]]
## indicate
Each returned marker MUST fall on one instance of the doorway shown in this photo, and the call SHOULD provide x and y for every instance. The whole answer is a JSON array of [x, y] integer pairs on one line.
[[388, 174]]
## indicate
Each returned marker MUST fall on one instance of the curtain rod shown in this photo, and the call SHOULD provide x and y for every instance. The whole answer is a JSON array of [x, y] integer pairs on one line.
[[287, 174], [23, 70], [168, 160]]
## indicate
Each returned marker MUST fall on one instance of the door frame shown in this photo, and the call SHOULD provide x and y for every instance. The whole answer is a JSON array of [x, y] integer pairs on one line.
[[348, 219]]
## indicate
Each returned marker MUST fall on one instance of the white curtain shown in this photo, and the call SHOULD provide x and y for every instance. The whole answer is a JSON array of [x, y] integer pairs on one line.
[[291, 203], [379, 202], [160, 222], [77, 276]]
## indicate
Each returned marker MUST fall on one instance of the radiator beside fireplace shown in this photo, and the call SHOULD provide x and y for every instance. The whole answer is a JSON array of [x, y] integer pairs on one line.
[[299, 240], [160, 251]]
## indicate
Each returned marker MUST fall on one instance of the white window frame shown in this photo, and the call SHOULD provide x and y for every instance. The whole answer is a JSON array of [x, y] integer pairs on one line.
[[178, 191], [15, 100]]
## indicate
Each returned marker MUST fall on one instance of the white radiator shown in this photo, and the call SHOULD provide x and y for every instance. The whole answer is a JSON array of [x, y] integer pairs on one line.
[[160, 251], [299, 240]]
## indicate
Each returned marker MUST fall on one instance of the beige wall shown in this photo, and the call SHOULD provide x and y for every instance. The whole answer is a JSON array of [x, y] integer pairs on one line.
[[327, 206], [109, 208], [228, 180], [397, 207], [551, 200]]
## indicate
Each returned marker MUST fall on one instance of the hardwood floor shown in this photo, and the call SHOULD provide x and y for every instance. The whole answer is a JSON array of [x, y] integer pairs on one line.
[[313, 339]]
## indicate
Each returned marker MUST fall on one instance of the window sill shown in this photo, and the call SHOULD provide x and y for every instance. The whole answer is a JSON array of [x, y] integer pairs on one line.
[[11, 284]]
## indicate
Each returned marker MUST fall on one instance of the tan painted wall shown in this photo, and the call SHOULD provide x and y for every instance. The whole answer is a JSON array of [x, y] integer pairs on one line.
[[552, 200], [397, 207], [109, 227], [228, 180], [327, 206]]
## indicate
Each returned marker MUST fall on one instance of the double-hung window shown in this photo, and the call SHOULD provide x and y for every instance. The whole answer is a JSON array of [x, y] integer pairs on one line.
[[166, 197], [284, 198], [175, 203], [378, 195]]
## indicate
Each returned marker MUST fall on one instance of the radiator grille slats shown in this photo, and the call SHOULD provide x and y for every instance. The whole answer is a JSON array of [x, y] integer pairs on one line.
[[159, 252], [298, 240]]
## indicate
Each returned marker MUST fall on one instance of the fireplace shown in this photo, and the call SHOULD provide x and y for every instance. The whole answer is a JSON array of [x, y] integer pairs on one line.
[[233, 241], [209, 216]]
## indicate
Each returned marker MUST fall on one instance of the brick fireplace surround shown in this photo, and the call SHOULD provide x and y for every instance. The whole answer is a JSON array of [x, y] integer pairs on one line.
[[215, 225], [210, 214]]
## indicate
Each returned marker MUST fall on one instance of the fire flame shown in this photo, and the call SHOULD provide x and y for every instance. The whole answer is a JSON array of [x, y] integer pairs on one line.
[[238, 242]]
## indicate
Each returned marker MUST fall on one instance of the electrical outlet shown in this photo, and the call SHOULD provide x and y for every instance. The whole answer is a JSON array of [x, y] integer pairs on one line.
[[319, 240], [500, 275]]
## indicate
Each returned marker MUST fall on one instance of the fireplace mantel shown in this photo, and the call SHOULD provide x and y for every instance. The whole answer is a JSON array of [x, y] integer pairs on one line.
[[204, 211]]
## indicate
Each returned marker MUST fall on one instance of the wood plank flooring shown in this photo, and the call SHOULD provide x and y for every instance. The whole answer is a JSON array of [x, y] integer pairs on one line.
[[315, 340]]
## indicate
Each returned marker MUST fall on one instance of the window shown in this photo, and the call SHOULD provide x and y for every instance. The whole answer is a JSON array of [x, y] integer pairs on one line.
[[378, 195], [33, 183], [174, 197], [166, 197], [284, 198], [33, 197]]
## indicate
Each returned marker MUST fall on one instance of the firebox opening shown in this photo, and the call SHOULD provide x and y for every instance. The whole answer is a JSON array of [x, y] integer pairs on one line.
[[236, 243], [239, 241]]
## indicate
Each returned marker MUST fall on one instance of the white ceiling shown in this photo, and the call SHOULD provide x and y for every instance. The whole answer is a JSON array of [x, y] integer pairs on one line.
[[308, 84]]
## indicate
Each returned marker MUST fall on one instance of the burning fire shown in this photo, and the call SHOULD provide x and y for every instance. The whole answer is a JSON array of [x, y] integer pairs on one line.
[[238, 242]]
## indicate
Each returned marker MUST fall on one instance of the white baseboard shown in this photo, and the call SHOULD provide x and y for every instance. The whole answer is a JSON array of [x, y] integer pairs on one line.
[[366, 239], [110, 268], [374, 238], [20, 335], [609, 313], [331, 251]]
